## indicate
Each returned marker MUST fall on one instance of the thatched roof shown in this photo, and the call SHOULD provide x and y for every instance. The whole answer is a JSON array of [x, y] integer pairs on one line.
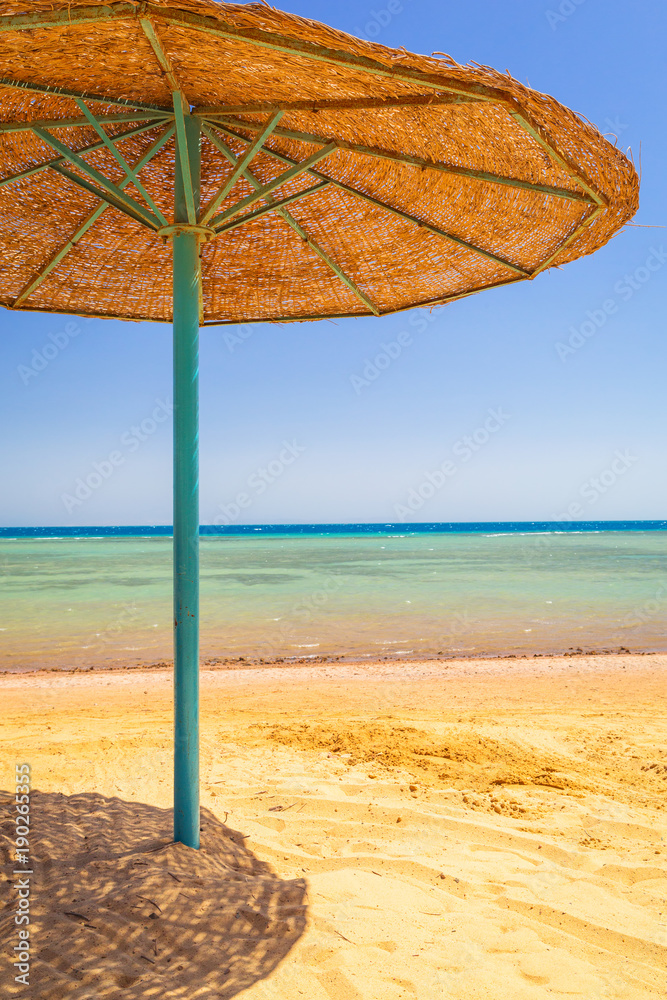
[[440, 179]]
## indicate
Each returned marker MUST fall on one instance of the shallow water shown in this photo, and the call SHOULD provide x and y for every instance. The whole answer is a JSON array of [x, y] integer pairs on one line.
[[106, 600]]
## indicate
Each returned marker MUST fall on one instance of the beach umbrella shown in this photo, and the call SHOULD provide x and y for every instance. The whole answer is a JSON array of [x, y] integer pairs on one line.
[[206, 163]]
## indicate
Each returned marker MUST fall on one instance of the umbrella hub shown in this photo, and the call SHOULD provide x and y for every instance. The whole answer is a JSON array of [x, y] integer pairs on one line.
[[180, 228]]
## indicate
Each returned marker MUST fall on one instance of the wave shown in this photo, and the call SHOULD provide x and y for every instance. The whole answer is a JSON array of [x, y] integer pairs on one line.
[[489, 529]]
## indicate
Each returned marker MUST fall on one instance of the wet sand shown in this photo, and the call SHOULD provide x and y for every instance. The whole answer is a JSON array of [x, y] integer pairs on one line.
[[463, 829]]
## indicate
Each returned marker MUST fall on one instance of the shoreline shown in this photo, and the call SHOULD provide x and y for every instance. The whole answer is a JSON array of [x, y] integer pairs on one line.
[[254, 663], [378, 671]]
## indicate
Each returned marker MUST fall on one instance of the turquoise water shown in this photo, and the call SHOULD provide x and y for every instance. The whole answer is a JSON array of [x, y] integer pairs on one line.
[[103, 600]]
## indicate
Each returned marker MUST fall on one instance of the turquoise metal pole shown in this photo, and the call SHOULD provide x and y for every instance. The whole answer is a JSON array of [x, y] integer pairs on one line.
[[186, 501]]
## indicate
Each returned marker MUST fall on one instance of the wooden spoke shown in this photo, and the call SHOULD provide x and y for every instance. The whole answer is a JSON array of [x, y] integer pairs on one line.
[[163, 59], [342, 104], [85, 149], [118, 156], [209, 211], [119, 198], [60, 254], [280, 209], [277, 182], [399, 212], [416, 161], [26, 126], [273, 206], [254, 36], [329, 261], [49, 91]]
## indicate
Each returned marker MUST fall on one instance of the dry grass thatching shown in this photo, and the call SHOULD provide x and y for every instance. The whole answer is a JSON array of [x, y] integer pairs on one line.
[[440, 179]]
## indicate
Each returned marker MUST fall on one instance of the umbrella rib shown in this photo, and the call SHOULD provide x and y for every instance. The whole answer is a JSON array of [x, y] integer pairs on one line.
[[241, 164], [49, 91], [404, 215], [298, 47], [320, 53], [273, 206], [52, 19], [120, 200], [60, 254], [181, 109], [163, 59], [53, 261], [440, 300], [331, 264], [85, 149], [431, 228], [276, 206], [344, 104], [416, 161], [103, 195], [523, 121], [184, 156], [118, 156], [344, 187], [566, 242], [277, 182], [254, 36], [25, 126]]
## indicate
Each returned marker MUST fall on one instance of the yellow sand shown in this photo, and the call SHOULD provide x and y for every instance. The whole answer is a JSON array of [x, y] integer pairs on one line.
[[464, 830]]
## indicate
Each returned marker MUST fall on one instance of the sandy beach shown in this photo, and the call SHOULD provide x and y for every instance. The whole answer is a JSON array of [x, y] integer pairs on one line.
[[381, 830]]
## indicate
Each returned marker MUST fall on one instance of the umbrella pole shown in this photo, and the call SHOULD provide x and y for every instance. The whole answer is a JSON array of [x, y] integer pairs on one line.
[[187, 278]]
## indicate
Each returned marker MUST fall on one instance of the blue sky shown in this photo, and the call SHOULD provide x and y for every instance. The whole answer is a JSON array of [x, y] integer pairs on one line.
[[290, 418]]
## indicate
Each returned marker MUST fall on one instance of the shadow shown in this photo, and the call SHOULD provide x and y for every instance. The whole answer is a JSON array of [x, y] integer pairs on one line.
[[119, 910]]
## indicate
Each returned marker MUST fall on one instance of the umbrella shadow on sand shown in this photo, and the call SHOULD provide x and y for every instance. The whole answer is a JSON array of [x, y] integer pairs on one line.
[[118, 909]]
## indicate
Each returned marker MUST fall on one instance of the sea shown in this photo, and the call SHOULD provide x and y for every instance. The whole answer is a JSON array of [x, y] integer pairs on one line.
[[100, 597]]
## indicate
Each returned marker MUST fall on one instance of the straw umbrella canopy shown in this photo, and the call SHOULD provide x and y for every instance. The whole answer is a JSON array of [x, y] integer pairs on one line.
[[213, 163]]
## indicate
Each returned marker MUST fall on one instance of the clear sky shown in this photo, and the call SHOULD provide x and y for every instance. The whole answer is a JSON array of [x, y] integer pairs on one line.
[[585, 428]]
